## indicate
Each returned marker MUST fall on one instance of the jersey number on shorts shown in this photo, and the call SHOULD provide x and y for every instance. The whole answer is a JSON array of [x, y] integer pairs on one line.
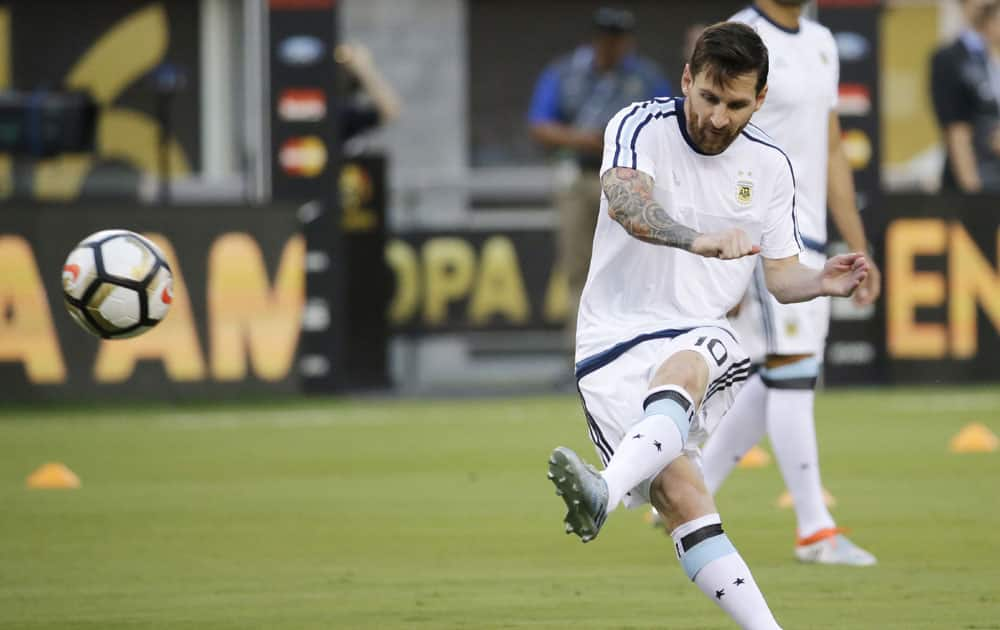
[[716, 348]]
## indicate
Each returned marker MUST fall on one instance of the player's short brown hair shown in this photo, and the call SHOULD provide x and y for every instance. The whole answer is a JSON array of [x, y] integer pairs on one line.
[[728, 50]]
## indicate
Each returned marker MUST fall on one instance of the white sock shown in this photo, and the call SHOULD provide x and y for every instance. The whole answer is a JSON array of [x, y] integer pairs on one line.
[[792, 430], [714, 565], [651, 444], [743, 426]]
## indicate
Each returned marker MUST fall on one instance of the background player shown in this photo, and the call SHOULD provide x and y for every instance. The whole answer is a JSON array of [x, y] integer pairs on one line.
[[789, 338], [657, 362]]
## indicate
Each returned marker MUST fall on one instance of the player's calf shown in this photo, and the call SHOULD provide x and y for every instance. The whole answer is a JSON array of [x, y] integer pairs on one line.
[[704, 550]]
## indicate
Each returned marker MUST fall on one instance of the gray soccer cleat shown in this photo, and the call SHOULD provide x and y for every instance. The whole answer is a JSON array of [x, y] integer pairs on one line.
[[582, 489], [835, 549]]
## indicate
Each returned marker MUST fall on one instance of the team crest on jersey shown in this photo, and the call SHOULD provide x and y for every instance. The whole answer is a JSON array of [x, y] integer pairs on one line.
[[744, 192]]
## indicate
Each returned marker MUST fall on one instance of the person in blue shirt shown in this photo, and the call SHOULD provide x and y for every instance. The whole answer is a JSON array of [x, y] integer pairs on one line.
[[574, 98]]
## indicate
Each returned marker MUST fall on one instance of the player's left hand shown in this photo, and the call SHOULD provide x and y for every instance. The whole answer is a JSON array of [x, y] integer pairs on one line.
[[843, 274], [871, 287]]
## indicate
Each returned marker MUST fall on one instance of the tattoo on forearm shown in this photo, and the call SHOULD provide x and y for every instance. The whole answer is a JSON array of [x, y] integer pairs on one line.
[[631, 203]]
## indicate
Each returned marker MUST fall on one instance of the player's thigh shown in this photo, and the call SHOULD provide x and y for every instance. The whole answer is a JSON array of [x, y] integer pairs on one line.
[[728, 367], [613, 394]]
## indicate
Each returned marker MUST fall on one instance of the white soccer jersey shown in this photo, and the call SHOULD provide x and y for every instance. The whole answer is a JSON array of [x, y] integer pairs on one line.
[[636, 288], [802, 91]]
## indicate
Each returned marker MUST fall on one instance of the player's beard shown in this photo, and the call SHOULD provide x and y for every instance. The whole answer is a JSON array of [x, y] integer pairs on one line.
[[708, 139]]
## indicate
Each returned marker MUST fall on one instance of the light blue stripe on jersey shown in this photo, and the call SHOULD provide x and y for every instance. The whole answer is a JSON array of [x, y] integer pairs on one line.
[[672, 410], [632, 123], [806, 368], [698, 557], [759, 136]]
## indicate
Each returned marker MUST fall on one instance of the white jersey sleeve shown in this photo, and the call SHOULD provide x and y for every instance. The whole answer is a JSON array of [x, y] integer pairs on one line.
[[626, 146], [780, 238]]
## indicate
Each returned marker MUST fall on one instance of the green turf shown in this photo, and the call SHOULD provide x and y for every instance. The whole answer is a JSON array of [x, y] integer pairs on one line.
[[428, 514]]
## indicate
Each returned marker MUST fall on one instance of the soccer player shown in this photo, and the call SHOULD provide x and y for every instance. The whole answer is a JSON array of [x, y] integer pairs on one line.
[[786, 340], [692, 193]]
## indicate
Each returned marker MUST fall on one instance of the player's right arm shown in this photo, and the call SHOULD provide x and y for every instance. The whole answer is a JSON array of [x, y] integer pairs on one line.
[[631, 203]]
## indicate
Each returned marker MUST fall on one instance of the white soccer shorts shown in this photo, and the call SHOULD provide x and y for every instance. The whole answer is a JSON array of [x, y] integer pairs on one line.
[[614, 383], [766, 326]]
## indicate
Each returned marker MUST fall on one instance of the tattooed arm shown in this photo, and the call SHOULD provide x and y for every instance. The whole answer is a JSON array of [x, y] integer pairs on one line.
[[632, 205]]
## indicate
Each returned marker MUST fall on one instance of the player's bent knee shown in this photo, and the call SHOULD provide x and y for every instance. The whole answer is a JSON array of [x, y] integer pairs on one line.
[[801, 373], [686, 369], [679, 494]]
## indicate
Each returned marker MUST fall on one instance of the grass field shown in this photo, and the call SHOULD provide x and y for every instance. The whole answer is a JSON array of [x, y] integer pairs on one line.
[[437, 514]]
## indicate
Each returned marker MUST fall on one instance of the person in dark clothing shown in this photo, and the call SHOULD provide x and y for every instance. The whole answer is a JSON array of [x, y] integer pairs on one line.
[[965, 88], [370, 101]]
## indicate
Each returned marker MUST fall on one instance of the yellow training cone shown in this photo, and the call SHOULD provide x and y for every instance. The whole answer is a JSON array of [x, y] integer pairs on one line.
[[53, 475], [756, 457], [785, 500], [974, 438]]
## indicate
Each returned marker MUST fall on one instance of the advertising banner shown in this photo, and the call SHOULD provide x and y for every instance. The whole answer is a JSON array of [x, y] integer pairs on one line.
[[305, 156], [233, 327], [942, 289], [240, 311], [59, 45], [475, 281], [938, 320], [854, 353], [368, 281], [304, 149], [855, 26]]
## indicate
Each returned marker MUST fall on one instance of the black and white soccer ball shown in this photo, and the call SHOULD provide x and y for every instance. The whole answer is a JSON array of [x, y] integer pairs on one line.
[[117, 284]]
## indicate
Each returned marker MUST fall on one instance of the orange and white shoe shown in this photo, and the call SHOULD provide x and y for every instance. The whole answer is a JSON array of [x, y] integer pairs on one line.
[[830, 546]]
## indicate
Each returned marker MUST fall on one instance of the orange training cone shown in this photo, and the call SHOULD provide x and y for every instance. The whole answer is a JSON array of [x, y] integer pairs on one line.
[[974, 438], [756, 457], [785, 500], [53, 475]]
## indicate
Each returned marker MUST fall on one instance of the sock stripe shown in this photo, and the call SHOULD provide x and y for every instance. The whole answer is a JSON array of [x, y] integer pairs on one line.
[[705, 552], [668, 394], [801, 374], [790, 383], [701, 534], [674, 404]]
